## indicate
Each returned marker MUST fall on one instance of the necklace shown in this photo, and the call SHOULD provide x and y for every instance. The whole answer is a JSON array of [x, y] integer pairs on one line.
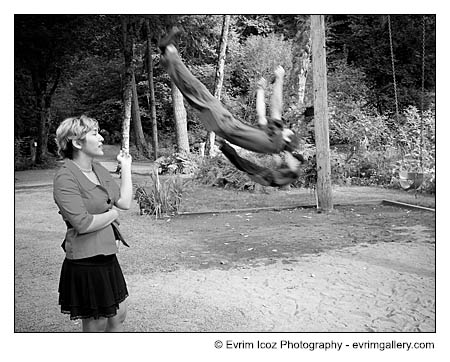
[[83, 169]]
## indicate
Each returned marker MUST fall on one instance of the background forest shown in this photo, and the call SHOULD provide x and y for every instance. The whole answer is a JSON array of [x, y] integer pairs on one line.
[[68, 65]]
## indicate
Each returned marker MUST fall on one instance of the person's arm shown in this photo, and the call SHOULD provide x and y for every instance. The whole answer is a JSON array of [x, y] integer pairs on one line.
[[126, 186], [67, 196], [100, 221]]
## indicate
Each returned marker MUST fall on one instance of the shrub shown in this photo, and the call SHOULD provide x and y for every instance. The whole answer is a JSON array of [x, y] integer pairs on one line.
[[417, 156], [178, 163], [218, 171], [21, 162], [136, 155], [23, 158], [409, 141], [161, 198], [308, 179], [429, 183], [354, 168]]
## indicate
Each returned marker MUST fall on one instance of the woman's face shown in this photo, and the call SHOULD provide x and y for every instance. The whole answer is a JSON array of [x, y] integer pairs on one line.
[[93, 143]]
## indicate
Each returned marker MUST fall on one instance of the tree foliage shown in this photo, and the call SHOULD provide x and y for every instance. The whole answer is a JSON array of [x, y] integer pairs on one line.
[[363, 41], [85, 52]]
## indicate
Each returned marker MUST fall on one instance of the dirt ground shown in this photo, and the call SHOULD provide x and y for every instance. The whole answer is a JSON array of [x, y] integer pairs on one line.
[[361, 268]]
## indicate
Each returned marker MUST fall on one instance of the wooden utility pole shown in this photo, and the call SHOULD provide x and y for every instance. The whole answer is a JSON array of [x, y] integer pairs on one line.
[[319, 65]]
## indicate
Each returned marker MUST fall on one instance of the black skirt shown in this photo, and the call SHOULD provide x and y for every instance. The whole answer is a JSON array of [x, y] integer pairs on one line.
[[91, 287]]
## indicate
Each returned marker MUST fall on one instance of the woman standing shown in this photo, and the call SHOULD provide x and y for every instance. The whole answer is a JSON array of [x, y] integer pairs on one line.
[[91, 286]]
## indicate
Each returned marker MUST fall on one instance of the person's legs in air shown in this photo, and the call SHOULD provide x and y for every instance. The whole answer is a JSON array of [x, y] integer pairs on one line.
[[260, 103], [276, 108], [168, 39], [276, 101], [261, 108]]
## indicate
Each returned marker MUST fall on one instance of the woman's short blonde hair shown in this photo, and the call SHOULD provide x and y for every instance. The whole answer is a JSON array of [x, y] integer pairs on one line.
[[73, 128]]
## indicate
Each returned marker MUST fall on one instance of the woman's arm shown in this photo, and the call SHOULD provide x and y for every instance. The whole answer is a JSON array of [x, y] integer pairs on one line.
[[67, 196], [100, 221], [126, 186]]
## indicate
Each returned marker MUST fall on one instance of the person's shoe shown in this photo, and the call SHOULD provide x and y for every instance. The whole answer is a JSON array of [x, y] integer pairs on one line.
[[292, 161], [219, 142], [287, 135], [169, 39], [262, 83], [299, 157], [290, 139], [279, 72]]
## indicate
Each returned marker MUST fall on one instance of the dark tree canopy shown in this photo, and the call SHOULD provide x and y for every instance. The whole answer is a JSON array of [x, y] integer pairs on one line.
[[82, 57]]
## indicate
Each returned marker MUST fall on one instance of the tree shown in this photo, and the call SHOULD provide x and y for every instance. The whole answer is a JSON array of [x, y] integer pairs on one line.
[[301, 58], [128, 79], [219, 76], [66, 65], [256, 58], [44, 46], [141, 144], [179, 112], [363, 41], [130, 27], [151, 90]]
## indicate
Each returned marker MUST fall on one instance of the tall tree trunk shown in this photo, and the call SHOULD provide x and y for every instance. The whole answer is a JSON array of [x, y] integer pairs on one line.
[[128, 79], [180, 120], [324, 197], [151, 89], [42, 129], [301, 60], [127, 98], [141, 144], [210, 138], [43, 104], [302, 75]]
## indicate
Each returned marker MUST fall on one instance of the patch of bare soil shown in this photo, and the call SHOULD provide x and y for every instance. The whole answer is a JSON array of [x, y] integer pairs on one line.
[[231, 240], [359, 268]]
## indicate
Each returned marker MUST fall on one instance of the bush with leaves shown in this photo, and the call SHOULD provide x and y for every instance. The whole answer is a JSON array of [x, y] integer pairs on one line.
[[161, 198], [338, 166], [371, 168], [257, 57], [22, 157], [218, 171], [417, 155], [177, 163]]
